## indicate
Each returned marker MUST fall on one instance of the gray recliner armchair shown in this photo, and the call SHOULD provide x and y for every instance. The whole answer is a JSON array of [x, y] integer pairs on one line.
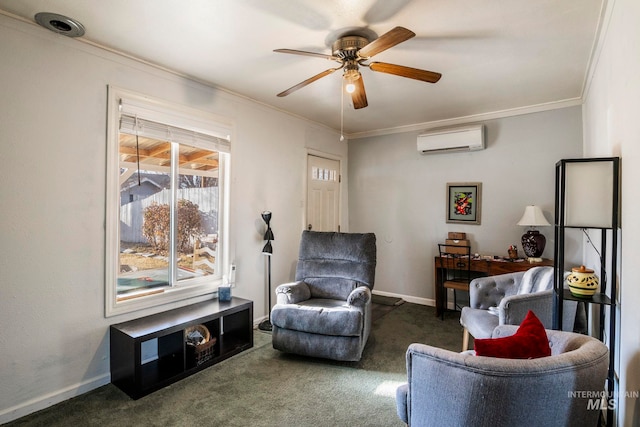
[[326, 312], [460, 389], [505, 299]]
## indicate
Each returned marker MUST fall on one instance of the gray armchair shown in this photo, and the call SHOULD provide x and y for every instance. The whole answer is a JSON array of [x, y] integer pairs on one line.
[[326, 312], [459, 389], [505, 299]]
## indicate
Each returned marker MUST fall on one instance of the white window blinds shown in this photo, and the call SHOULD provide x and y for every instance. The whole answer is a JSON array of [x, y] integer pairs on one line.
[[137, 126]]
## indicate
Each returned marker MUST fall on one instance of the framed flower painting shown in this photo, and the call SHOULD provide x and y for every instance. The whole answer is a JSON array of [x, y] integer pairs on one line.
[[463, 202]]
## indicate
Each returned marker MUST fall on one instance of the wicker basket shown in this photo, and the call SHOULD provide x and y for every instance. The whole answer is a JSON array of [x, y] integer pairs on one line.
[[203, 352], [199, 328]]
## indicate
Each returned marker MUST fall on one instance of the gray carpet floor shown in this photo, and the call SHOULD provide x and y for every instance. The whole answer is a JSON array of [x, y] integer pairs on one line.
[[264, 387]]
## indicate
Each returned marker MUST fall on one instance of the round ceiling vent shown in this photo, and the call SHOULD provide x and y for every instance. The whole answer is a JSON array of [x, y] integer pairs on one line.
[[60, 24]]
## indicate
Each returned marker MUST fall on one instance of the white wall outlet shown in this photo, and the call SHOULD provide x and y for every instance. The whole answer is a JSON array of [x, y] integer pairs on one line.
[[232, 274]]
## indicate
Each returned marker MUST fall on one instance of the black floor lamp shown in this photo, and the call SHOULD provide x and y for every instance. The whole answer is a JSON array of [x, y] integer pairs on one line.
[[265, 325]]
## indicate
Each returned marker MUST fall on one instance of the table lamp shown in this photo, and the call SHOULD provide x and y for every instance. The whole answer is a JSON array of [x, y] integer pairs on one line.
[[532, 241]]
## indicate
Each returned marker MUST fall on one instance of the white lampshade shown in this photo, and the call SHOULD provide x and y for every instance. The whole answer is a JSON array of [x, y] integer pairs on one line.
[[589, 194], [533, 216]]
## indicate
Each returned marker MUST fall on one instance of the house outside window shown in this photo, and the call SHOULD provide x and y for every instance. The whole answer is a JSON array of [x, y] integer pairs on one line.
[[167, 202]]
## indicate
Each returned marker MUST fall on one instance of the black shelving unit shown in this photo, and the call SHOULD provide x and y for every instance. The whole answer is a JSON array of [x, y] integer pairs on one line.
[[230, 323], [608, 252]]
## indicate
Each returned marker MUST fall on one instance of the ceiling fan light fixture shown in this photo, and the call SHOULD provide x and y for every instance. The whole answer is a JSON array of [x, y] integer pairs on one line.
[[351, 74]]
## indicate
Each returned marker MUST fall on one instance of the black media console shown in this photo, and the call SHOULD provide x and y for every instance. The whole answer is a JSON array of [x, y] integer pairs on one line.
[[229, 323]]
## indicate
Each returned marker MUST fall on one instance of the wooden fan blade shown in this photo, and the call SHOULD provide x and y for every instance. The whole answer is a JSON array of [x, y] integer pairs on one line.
[[386, 41], [359, 96], [308, 81], [305, 53], [402, 71]]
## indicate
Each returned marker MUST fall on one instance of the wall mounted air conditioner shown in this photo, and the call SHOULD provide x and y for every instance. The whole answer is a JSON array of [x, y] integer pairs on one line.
[[467, 138]]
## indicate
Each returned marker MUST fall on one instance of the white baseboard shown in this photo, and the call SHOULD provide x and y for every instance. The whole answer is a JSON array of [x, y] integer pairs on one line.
[[407, 298], [259, 320], [50, 399]]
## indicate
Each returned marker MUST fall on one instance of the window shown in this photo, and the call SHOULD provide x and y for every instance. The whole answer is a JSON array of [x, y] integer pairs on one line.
[[167, 202]]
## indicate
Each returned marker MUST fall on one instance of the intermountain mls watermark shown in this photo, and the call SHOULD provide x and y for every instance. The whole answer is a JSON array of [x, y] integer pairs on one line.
[[601, 399]]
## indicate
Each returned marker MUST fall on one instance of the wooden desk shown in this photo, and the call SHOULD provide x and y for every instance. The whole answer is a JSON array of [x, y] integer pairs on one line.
[[486, 268]]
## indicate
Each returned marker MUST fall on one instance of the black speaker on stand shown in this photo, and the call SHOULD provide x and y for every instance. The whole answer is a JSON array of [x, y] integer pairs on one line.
[[267, 250]]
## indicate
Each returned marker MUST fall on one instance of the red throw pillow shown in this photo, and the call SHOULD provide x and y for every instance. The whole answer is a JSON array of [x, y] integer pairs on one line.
[[529, 342]]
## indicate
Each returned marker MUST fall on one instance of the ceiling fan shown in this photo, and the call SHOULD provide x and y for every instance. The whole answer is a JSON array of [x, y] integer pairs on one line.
[[352, 52]]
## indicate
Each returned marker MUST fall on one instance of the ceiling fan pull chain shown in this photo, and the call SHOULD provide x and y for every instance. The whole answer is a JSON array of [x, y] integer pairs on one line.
[[342, 110]]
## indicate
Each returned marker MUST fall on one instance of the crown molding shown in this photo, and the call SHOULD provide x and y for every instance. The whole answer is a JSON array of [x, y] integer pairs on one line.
[[474, 118]]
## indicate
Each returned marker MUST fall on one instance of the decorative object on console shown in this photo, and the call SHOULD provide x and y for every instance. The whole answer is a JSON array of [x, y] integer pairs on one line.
[[224, 293], [582, 282], [463, 202], [532, 241], [267, 250], [456, 235]]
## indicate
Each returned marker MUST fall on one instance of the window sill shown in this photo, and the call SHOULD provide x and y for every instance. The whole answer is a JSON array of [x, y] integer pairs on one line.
[[158, 297]]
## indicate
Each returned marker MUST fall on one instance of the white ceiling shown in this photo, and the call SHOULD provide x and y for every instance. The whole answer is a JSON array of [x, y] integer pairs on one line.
[[494, 55]]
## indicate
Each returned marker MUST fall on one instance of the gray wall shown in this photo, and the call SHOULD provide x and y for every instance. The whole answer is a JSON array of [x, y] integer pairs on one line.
[[401, 195]]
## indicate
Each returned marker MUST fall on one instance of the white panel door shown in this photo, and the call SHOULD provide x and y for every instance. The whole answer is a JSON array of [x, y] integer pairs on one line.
[[323, 194]]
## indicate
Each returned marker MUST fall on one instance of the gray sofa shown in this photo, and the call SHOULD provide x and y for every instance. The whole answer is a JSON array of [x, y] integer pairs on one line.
[[326, 312], [460, 389]]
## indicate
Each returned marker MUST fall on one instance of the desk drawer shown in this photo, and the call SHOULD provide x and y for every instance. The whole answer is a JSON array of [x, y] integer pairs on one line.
[[480, 266], [454, 263], [503, 267]]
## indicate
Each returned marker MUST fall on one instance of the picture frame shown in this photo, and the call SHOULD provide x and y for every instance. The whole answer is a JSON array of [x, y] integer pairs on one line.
[[464, 201]]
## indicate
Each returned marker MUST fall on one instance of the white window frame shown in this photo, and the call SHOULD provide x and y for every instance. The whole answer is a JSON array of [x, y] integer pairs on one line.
[[125, 101]]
